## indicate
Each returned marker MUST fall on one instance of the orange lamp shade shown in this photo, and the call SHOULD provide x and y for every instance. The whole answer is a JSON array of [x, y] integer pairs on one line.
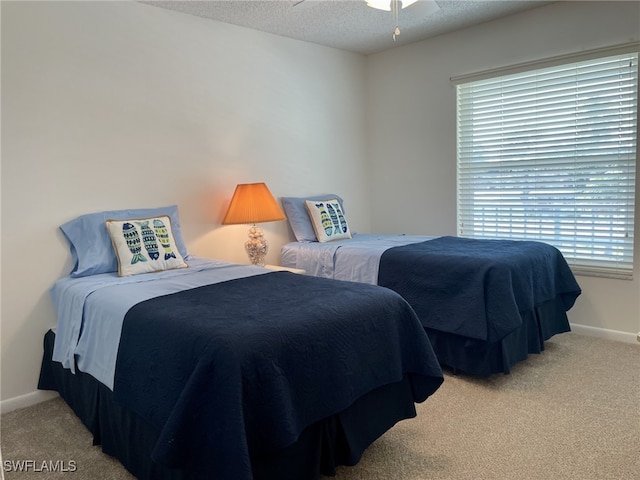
[[252, 203]]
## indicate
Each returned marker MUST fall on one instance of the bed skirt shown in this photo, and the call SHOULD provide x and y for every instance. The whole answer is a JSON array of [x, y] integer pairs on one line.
[[337, 440], [481, 358]]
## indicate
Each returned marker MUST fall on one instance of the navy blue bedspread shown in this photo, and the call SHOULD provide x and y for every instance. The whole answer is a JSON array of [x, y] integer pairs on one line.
[[477, 288], [241, 367]]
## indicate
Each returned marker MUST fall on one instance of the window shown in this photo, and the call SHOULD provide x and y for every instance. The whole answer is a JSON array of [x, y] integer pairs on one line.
[[549, 155]]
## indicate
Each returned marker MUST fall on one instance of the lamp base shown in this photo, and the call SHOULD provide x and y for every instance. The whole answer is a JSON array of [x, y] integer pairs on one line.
[[256, 246]]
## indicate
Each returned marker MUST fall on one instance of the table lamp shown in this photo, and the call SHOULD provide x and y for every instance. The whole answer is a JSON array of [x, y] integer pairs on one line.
[[253, 203]]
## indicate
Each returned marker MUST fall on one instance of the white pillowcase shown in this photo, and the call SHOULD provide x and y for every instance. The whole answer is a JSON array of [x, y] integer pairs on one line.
[[298, 215], [144, 245], [328, 220]]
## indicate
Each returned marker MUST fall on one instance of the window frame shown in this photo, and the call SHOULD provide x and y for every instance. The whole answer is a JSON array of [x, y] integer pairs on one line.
[[595, 267]]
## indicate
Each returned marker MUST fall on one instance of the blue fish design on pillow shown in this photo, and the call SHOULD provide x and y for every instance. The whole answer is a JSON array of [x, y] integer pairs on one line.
[[334, 218], [341, 219], [324, 217], [163, 238], [133, 242], [149, 240]]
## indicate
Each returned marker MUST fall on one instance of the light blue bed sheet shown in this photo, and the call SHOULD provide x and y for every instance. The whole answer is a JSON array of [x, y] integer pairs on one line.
[[91, 309], [356, 259]]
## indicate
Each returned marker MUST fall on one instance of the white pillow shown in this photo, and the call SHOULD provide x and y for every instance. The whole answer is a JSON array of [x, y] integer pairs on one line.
[[144, 245], [298, 215], [328, 220], [90, 244]]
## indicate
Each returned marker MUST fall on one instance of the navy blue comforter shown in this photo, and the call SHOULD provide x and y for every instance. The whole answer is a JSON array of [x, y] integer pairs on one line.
[[477, 288], [241, 367]]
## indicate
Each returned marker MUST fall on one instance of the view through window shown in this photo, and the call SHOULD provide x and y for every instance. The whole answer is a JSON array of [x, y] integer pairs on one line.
[[550, 155]]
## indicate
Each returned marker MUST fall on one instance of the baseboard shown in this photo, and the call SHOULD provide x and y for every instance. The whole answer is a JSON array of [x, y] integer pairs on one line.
[[27, 400], [625, 337]]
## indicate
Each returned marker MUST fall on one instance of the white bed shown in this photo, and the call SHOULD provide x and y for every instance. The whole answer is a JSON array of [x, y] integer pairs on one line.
[[485, 304]]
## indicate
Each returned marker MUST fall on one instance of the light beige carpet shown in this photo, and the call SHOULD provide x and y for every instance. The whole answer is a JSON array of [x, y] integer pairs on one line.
[[572, 412]]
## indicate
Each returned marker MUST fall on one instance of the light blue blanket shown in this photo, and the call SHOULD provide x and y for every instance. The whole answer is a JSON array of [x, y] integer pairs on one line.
[[355, 259]]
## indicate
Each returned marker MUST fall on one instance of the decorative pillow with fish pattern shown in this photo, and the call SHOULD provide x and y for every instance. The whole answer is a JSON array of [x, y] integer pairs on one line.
[[90, 244], [328, 220], [144, 245], [298, 215]]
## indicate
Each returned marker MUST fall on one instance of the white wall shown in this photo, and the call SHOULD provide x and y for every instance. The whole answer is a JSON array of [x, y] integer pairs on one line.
[[411, 107], [109, 105]]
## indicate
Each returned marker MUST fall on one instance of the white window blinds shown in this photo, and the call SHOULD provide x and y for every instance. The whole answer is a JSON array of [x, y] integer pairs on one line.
[[550, 155]]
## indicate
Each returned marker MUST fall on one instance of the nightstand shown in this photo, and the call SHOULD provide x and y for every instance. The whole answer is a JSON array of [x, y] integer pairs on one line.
[[278, 268]]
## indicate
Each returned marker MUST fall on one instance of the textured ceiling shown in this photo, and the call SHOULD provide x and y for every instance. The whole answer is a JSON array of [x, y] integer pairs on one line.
[[350, 24]]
